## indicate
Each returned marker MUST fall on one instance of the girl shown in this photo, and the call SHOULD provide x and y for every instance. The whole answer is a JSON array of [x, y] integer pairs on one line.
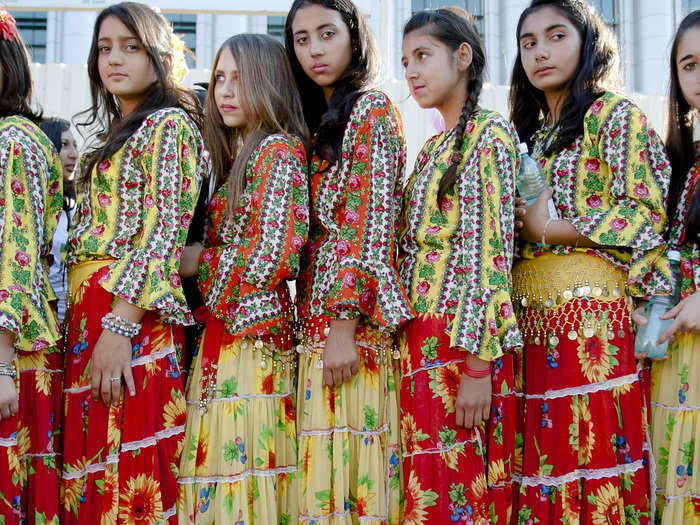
[[58, 131], [30, 358], [675, 398], [584, 428], [124, 401], [239, 464], [350, 300], [457, 275]]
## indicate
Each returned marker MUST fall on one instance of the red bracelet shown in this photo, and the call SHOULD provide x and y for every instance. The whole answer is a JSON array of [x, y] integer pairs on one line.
[[476, 374]]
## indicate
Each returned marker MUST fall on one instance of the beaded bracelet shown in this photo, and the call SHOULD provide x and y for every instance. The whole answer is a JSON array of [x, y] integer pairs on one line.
[[8, 369], [121, 326], [476, 374]]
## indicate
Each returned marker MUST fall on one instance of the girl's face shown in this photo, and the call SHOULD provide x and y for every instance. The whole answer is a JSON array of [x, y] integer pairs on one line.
[[688, 64], [550, 49], [322, 45], [227, 91], [125, 68], [435, 73], [68, 155]]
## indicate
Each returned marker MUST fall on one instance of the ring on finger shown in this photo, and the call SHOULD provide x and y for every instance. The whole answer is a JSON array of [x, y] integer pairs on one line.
[[115, 378]]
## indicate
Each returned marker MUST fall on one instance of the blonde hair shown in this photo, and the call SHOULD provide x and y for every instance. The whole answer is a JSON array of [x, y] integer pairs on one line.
[[270, 98]]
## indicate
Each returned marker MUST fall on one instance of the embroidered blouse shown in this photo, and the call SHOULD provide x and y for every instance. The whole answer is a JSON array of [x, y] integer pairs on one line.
[[136, 209], [690, 251], [456, 259], [349, 264], [243, 272], [611, 185], [31, 199]]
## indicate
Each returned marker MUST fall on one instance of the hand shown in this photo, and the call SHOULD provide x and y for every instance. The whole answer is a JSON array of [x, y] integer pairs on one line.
[[639, 319], [340, 359], [189, 260], [111, 358], [520, 211], [535, 218], [686, 315], [473, 403], [9, 402]]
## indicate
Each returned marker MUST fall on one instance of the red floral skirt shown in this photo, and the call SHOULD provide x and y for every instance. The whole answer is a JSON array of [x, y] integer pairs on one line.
[[29, 462], [451, 474], [120, 463]]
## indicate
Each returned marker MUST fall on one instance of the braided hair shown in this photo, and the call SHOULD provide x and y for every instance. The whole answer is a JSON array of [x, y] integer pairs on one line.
[[453, 26]]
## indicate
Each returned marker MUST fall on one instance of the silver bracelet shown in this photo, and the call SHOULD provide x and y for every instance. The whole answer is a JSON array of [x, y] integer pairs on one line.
[[8, 369], [544, 230], [120, 326]]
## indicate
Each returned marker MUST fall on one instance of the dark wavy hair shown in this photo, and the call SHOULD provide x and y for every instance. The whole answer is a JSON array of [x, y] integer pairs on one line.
[[454, 26], [54, 127], [328, 121], [597, 71], [154, 33], [679, 137], [16, 96]]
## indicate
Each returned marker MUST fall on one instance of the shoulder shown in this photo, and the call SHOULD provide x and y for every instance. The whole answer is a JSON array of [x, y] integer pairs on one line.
[[610, 107], [374, 103], [491, 125], [169, 118], [284, 147], [25, 134]]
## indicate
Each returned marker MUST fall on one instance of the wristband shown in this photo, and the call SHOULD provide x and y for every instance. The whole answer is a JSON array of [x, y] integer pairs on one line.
[[8, 369], [544, 230], [476, 374]]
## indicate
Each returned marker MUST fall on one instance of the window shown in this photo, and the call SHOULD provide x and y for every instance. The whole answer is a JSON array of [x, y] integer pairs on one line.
[[690, 5], [275, 27], [607, 9], [185, 26], [474, 7], [32, 27]]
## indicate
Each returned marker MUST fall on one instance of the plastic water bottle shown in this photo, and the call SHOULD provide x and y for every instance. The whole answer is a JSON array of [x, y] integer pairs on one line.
[[647, 335], [531, 181]]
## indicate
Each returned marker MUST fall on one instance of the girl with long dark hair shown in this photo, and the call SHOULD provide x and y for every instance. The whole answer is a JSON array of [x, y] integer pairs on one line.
[[241, 461], [31, 363], [350, 300], [123, 399], [456, 240], [675, 394], [584, 437]]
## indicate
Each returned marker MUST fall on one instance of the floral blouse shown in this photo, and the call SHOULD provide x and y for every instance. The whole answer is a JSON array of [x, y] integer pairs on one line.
[[690, 251], [349, 264], [136, 208], [243, 273], [455, 259], [31, 199], [611, 185]]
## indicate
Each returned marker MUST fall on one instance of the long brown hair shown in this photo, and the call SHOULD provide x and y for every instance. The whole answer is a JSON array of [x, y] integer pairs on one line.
[[155, 34], [270, 99]]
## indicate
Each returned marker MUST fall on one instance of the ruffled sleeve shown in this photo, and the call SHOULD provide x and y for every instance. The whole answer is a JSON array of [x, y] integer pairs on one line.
[[639, 177], [367, 283], [484, 324], [172, 164], [276, 204], [30, 191]]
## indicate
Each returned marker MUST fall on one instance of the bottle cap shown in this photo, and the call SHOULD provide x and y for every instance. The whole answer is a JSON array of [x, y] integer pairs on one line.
[[522, 147], [674, 255]]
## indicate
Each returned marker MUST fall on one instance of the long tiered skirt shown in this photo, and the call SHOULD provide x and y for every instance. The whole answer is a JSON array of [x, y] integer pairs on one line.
[[120, 463], [30, 459], [585, 445], [349, 435], [452, 475], [240, 460], [675, 418]]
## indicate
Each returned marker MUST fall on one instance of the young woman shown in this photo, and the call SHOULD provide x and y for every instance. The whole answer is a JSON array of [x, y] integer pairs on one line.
[[240, 460], [30, 359], [58, 131], [584, 432], [123, 399], [350, 299], [456, 246], [675, 396]]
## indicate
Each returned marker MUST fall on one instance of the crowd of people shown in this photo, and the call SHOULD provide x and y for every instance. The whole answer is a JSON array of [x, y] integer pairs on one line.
[[451, 354]]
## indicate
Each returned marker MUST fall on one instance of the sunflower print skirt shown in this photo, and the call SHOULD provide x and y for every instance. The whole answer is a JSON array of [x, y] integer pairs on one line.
[[29, 442], [585, 456], [240, 459], [451, 474], [348, 436], [120, 463], [675, 419]]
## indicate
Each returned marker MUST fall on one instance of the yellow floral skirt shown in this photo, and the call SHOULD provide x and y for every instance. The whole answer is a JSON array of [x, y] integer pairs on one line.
[[675, 419], [240, 459], [349, 458]]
